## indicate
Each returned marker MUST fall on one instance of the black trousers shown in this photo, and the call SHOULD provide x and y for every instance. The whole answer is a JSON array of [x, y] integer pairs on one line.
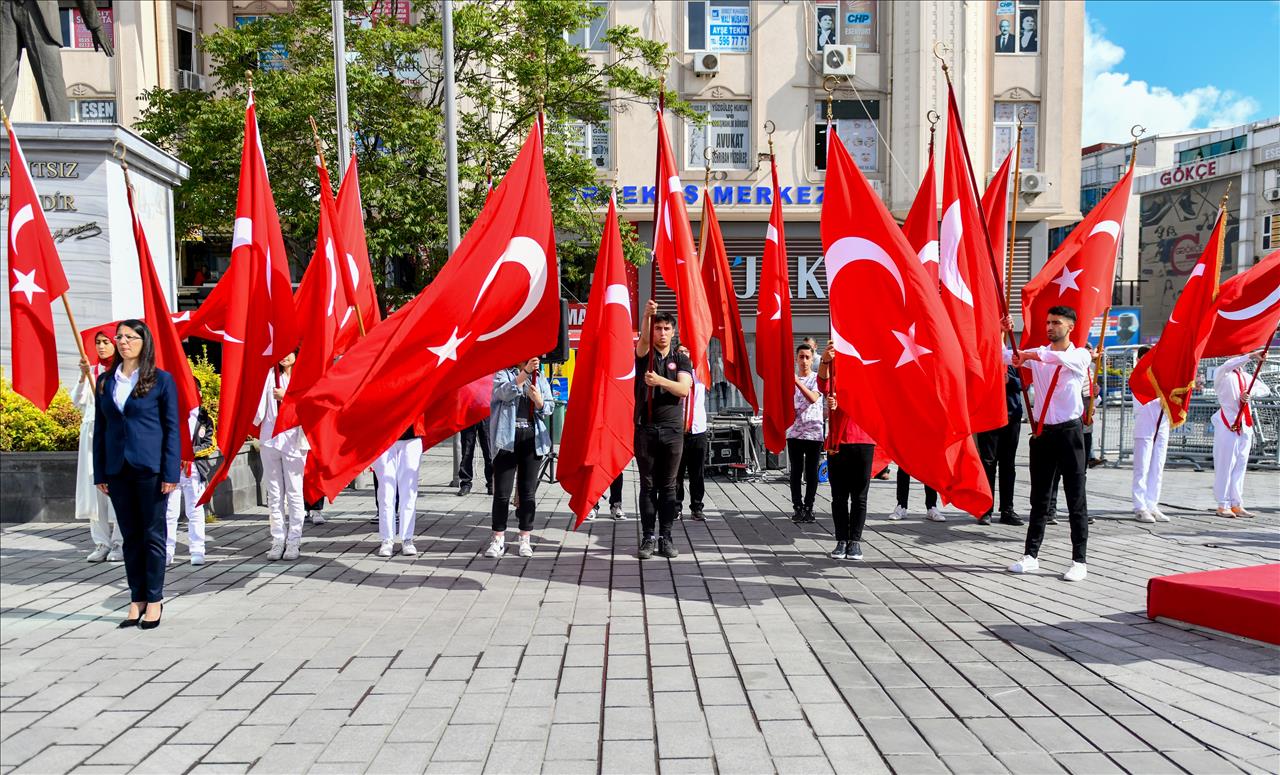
[[658, 453], [998, 448], [849, 472], [135, 495], [904, 488], [1059, 452], [518, 468], [693, 459], [478, 432], [803, 456]]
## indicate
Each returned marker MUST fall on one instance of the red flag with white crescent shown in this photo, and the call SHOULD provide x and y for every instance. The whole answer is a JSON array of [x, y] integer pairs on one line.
[[775, 353], [995, 208], [599, 425], [35, 279], [722, 301], [1247, 311], [898, 357], [921, 226], [495, 303], [357, 277]]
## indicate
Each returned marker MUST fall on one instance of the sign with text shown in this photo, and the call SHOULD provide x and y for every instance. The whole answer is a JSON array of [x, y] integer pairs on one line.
[[729, 29]]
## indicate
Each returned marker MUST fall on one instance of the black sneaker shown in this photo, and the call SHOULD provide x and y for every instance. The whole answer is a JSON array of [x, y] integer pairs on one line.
[[985, 519], [647, 548], [488, 488], [808, 514], [1052, 519], [853, 550], [667, 549], [698, 516], [797, 514], [1010, 518], [1090, 520], [465, 489], [838, 552]]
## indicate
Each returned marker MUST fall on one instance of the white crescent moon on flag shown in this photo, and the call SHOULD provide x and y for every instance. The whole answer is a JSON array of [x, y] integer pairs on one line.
[[949, 268], [845, 251], [530, 255], [242, 234], [333, 276], [929, 253], [1253, 310], [355, 273], [24, 216], [778, 298], [617, 293], [1110, 227]]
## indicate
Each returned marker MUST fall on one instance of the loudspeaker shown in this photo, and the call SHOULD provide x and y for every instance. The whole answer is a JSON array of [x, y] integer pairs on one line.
[[561, 353]]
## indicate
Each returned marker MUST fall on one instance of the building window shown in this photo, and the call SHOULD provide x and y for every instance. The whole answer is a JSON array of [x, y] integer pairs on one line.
[[718, 25], [591, 37], [101, 111], [849, 22], [725, 132], [275, 56], [188, 59], [1210, 150], [74, 32], [1270, 231], [591, 141], [1017, 27], [1004, 133], [856, 128]]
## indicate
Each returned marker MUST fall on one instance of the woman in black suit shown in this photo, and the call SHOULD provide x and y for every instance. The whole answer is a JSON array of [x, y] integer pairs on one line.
[[135, 462]]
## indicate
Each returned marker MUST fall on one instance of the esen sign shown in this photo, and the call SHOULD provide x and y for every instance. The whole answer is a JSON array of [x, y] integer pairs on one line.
[[1200, 171]]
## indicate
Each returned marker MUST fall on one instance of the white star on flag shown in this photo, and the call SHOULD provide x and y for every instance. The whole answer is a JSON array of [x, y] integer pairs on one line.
[[26, 283], [1067, 280], [449, 350], [910, 350]]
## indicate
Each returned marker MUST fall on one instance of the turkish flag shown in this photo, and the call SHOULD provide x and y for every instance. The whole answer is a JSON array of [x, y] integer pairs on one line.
[[969, 291], [89, 336], [1168, 370], [775, 358], [1247, 311], [259, 327], [322, 305], [995, 208], [495, 303], [463, 408], [677, 260], [1080, 272], [599, 427], [164, 334], [358, 277], [35, 280], [921, 226], [723, 303], [899, 361]]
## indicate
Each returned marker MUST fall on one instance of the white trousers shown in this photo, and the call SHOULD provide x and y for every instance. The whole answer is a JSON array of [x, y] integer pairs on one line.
[[102, 525], [283, 474], [1150, 446], [1230, 458], [397, 471], [190, 489]]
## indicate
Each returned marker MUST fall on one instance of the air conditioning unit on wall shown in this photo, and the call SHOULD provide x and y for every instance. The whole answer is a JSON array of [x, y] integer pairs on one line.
[[840, 60], [189, 81], [706, 65], [1272, 194], [1033, 182]]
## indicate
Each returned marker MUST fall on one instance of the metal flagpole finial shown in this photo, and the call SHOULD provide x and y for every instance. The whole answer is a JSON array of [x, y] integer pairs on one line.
[[940, 49], [1137, 131], [4, 117], [248, 76], [1023, 112], [769, 129], [829, 86], [1222, 205], [706, 167]]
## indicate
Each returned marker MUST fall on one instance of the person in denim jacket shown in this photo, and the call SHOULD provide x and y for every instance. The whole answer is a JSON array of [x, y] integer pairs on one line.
[[519, 437]]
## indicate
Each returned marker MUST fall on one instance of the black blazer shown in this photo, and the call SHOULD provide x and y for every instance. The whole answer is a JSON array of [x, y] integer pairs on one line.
[[144, 435]]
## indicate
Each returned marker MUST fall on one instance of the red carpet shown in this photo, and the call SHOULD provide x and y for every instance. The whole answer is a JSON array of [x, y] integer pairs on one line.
[[1241, 601]]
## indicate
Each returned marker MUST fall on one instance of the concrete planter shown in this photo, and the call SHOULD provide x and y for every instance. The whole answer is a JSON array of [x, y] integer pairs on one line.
[[41, 486]]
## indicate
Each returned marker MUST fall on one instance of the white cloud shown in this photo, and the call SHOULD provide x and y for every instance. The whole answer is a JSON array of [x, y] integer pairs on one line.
[[1113, 102]]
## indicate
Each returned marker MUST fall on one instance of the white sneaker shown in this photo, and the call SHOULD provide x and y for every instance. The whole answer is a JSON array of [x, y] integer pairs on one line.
[[1027, 564], [317, 518], [1076, 572], [291, 550], [496, 548], [617, 513], [386, 549], [277, 549], [408, 549], [591, 515], [526, 549], [1159, 515], [115, 555], [99, 553], [197, 559], [1142, 515], [898, 513], [933, 515]]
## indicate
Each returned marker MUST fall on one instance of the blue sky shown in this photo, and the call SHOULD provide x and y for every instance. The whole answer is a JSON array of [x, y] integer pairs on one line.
[[1179, 65]]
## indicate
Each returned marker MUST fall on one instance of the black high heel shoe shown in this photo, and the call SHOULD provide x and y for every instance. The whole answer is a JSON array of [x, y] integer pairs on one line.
[[132, 622], [143, 624]]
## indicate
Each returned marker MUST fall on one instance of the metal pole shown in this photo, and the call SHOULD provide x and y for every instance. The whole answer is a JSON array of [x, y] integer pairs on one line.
[[451, 162], [340, 85]]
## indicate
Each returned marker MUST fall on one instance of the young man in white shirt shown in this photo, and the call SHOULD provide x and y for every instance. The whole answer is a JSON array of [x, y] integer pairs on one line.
[[1231, 446], [1150, 445], [1059, 371]]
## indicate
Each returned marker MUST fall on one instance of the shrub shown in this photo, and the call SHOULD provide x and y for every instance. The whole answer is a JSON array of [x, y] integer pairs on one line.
[[24, 428]]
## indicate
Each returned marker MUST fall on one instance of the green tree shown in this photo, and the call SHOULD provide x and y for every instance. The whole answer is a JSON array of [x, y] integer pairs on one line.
[[509, 55]]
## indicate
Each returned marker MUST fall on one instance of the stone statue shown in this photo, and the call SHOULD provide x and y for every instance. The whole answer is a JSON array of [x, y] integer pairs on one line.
[[34, 26]]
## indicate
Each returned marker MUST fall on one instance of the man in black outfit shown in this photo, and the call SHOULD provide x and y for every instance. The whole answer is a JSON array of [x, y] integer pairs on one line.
[[668, 379], [999, 447], [478, 432]]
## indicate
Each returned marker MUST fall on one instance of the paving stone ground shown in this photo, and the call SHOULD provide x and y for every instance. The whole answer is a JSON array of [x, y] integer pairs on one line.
[[752, 652]]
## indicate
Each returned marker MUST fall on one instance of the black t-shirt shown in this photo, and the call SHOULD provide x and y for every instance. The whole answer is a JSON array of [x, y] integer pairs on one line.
[[666, 407]]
